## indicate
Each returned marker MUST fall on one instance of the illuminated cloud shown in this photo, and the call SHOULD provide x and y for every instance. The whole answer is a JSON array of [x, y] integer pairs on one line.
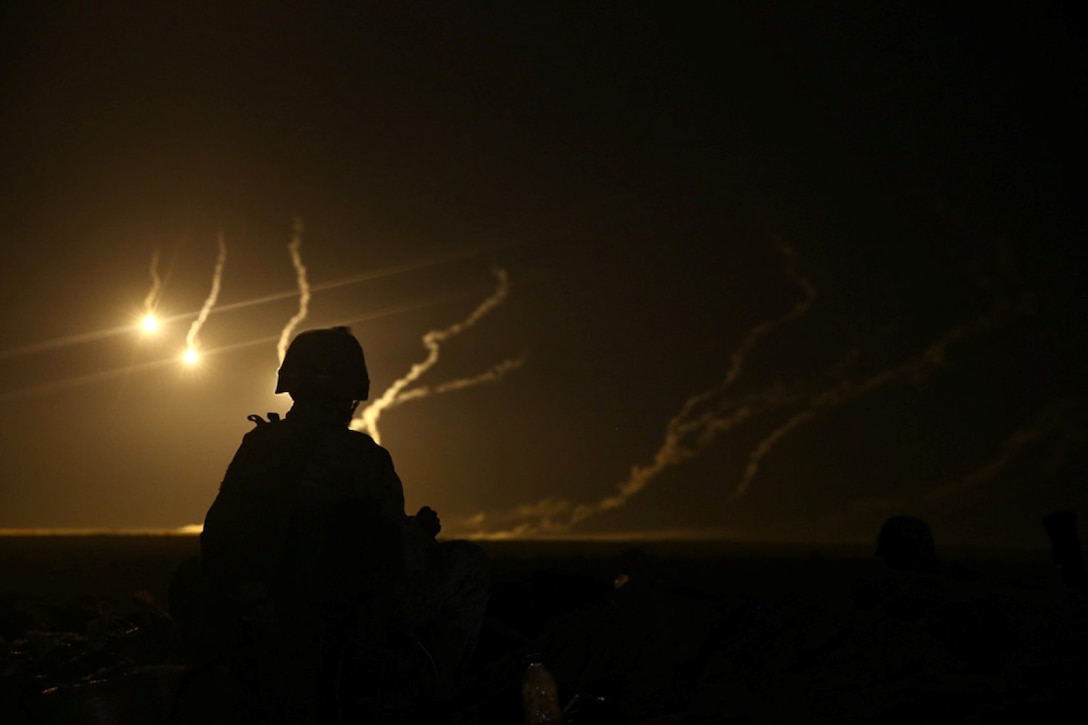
[[396, 393], [192, 347], [294, 248]]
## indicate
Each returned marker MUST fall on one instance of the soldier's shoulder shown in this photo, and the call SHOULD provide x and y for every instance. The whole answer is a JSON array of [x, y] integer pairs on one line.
[[361, 440], [273, 429], [362, 444]]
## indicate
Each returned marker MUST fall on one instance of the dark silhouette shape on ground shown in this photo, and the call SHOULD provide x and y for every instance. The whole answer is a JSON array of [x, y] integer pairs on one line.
[[1061, 527], [906, 542]]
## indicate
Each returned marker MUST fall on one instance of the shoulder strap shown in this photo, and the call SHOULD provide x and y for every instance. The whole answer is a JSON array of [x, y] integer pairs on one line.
[[272, 418]]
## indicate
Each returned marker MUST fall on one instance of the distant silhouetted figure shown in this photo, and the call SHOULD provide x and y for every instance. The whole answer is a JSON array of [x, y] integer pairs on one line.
[[329, 596], [1061, 527], [906, 542]]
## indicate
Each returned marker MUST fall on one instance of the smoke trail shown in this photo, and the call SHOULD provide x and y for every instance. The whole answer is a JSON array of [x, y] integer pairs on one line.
[[740, 355], [917, 368], [1061, 424], [684, 439], [368, 419], [496, 373], [1049, 440], [156, 282], [689, 431], [209, 303], [294, 248], [151, 302], [685, 435]]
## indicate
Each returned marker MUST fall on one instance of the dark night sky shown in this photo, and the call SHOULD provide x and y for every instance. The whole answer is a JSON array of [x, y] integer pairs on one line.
[[635, 169]]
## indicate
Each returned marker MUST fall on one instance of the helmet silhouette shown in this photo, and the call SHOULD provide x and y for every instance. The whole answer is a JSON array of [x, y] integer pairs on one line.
[[328, 361]]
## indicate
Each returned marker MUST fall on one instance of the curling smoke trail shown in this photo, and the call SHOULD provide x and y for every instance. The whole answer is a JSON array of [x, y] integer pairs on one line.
[[151, 302], [690, 431], [917, 368], [740, 355], [1059, 428], [700, 420], [209, 303], [367, 421], [294, 248], [686, 434], [496, 373]]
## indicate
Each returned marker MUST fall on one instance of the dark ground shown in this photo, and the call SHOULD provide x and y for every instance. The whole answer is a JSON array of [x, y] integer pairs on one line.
[[696, 634]]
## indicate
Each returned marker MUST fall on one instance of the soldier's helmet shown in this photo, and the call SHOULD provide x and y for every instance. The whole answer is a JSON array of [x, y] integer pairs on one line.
[[328, 361]]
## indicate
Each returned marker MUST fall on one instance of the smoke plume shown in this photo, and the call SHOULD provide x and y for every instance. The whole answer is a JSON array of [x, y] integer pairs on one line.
[[294, 248], [191, 343], [397, 393]]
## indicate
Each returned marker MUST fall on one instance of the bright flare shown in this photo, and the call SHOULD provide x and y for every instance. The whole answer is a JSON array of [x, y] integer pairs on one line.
[[150, 323], [190, 356]]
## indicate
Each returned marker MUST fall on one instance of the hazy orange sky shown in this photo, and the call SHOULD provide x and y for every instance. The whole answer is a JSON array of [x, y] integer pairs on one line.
[[774, 272]]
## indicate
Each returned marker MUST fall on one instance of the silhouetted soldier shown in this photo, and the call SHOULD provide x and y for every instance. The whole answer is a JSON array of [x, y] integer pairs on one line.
[[906, 542], [313, 558], [1061, 527]]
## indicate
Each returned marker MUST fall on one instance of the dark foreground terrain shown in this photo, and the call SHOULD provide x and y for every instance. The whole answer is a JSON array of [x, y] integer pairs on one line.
[[654, 633]]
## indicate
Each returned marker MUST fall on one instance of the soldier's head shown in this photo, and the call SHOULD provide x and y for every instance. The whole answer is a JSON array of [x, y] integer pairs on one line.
[[906, 542], [324, 364]]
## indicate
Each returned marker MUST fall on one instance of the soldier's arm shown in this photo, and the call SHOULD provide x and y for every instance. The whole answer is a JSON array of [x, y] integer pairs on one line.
[[425, 519], [243, 530]]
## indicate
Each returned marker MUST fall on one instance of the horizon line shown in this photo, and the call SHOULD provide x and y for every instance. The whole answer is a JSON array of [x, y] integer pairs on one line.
[[692, 535], [672, 536]]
